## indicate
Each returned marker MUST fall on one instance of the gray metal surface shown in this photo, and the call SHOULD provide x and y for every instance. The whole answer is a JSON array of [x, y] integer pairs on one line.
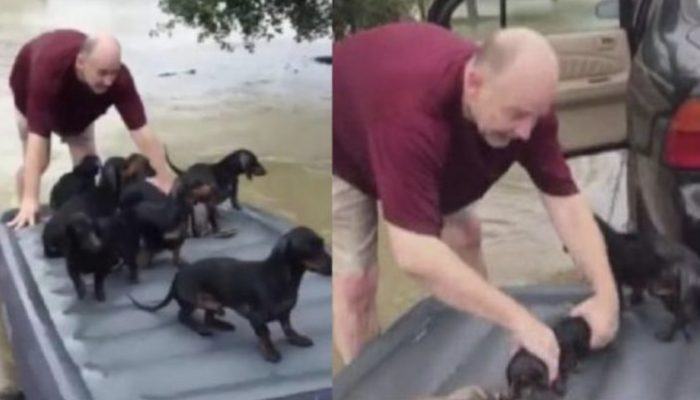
[[434, 350], [75, 350]]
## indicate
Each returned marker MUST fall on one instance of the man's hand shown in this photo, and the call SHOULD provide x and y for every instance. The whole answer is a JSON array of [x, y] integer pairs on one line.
[[602, 312], [538, 339], [150, 146], [164, 182], [27, 214], [573, 220]]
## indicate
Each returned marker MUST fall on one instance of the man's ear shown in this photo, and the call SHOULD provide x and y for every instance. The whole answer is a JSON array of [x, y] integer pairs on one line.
[[473, 82], [80, 60]]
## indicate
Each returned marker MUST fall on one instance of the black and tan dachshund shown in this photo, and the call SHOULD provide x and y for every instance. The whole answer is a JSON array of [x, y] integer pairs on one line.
[[223, 177], [633, 260], [90, 248], [528, 376], [260, 291], [678, 285], [136, 168], [80, 179], [159, 219], [667, 269]]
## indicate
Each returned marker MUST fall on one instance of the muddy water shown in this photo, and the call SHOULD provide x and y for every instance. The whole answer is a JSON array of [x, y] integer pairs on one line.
[[275, 101]]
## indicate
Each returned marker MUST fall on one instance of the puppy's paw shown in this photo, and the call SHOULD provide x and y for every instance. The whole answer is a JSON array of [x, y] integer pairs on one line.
[[300, 340], [637, 296], [665, 336], [636, 300], [226, 234], [272, 355], [221, 325], [686, 335], [204, 332], [179, 262], [559, 387]]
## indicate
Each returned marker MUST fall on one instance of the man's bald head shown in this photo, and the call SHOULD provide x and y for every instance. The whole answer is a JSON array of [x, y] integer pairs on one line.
[[510, 83], [101, 45], [99, 62], [513, 46]]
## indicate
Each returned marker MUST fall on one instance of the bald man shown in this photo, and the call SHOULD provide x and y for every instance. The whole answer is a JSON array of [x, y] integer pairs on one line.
[[62, 81], [425, 122]]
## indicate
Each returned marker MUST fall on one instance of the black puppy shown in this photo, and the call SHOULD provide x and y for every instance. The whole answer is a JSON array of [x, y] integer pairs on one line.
[[80, 179], [667, 269], [633, 260], [527, 375], [260, 291], [136, 168], [223, 177], [99, 201], [678, 285], [159, 219], [574, 337], [89, 250]]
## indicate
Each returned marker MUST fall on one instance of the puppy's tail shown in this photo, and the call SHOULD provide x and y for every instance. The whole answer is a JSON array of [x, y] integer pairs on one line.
[[177, 170], [156, 307]]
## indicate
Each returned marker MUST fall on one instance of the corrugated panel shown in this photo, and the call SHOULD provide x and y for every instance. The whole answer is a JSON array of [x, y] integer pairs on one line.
[[119, 352], [434, 350]]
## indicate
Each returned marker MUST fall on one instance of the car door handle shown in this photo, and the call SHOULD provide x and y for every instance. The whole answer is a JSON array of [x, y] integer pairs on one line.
[[599, 79], [606, 43]]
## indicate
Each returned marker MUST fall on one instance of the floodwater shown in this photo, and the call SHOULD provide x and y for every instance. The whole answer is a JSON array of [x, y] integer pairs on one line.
[[275, 101]]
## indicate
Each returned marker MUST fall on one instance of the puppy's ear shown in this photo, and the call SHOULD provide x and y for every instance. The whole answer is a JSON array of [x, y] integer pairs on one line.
[[71, 234], [74, 235], [281, 249], [150, 171], [178, 187], [111, 176], [89, 166], [245, 163], [690, 289], [184, 189], [138, 166]]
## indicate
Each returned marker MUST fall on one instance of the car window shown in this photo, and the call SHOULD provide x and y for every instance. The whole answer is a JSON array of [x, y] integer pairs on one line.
[[477, 19], [695, 8]]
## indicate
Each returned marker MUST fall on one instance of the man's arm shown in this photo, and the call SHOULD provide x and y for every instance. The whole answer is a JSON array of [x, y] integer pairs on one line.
[[446, 276], [573, 221], [35, 159], [150, 146]]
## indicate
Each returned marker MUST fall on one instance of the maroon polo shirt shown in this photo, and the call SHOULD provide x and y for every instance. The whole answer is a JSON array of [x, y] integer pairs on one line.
[[399, 134], [47, 91]]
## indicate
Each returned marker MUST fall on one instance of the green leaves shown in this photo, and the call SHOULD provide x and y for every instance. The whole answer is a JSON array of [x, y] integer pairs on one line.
[[255, 20], [350, 16], [259, 20]]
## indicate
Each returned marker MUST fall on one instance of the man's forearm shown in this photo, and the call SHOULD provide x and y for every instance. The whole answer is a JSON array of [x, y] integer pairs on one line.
[[34, 161], [573, 220], [447, 277], [149, 144]]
